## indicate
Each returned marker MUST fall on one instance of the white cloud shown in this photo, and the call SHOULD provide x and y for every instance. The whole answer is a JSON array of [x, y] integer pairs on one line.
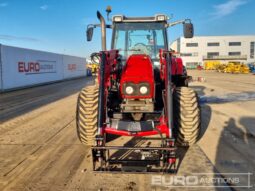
[[17, 38], [3, 4], [44, 7], [227, 8]]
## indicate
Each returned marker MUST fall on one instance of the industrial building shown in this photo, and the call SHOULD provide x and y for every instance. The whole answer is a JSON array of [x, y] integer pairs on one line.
[[199, 49]]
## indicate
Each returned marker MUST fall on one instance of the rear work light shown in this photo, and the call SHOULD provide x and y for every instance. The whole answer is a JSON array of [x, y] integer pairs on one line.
[[117, 18], [161, 18]]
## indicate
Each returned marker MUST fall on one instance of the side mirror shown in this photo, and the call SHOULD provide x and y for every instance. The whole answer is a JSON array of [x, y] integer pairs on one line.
[[89, 32], [188, 30]]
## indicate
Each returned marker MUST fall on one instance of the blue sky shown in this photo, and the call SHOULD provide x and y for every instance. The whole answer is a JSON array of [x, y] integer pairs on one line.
[[59, 25]]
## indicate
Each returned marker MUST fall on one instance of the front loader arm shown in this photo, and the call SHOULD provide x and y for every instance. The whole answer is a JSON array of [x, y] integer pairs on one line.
[[166, 75], [108, 62]]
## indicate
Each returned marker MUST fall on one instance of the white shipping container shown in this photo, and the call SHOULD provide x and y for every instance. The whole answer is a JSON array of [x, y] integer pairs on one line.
[[73, 66], [24, 67]]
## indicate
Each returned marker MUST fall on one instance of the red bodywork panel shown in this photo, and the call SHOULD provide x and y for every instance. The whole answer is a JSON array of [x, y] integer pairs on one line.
[[177, 66], [138, 69]]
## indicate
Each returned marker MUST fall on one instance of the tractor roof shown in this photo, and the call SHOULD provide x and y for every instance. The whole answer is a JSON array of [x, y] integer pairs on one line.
[[156, 18]]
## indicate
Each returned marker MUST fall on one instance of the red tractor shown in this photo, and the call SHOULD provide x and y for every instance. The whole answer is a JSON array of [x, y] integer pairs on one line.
[[141, 91]]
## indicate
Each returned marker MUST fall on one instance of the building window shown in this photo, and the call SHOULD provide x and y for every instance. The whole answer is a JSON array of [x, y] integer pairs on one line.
[[190, 54], [252, 47], [195, 54], [191, 44], [212, 54], [186, 54], [179, 45], [213, 44], [234, 43], [234, 53], [191, 65]]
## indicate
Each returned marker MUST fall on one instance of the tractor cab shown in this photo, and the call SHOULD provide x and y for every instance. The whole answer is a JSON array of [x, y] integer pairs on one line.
[[139, 36]]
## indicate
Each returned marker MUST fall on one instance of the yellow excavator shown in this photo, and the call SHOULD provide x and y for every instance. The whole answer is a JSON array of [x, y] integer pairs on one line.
[[236, 68], [94, 65], [211, 65]]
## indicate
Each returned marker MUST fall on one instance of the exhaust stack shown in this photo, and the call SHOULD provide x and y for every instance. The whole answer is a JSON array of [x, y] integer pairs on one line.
[[103, 30]]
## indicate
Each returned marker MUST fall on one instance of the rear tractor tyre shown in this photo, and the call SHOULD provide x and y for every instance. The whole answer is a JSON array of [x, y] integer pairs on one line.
[[186, 113], [86, 115]]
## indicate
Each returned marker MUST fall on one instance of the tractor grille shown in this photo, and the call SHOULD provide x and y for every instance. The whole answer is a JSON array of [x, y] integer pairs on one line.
[[132, 126]]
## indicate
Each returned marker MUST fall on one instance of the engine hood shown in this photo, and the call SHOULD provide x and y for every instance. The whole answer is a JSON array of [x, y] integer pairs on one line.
[[138, 70]]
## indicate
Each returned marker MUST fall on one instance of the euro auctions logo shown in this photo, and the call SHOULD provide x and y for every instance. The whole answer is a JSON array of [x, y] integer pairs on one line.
[[195, 180], [38, 67], [72, 67]]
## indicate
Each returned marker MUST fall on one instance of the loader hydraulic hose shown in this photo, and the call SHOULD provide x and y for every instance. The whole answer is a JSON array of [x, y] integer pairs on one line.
[[169, 94], [103, 30], [101, 98]]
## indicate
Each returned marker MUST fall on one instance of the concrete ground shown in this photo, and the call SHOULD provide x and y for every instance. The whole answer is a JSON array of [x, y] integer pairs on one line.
[[39, 149], [228, 107]]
